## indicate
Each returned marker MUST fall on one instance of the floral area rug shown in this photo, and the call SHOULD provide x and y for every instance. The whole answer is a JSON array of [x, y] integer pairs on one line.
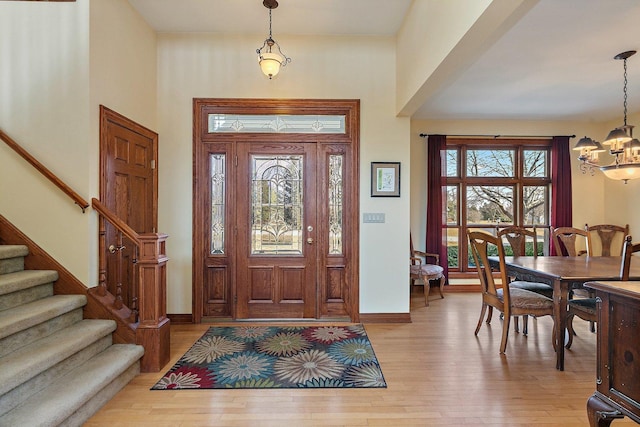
[[277, 357]]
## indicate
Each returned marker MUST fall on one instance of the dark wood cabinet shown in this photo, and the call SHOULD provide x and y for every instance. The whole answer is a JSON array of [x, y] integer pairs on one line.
[[618, 353]]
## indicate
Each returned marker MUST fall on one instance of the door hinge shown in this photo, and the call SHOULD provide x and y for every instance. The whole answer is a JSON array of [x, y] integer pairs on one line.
[[236, 160], [235, 299], [153, 164]]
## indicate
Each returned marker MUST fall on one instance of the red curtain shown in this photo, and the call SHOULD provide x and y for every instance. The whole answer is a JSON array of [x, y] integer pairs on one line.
[[435, 240], [561, 197]]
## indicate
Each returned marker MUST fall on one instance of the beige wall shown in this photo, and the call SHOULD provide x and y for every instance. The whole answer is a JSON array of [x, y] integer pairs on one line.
[[58, 62], [204, 65], [44, 106]]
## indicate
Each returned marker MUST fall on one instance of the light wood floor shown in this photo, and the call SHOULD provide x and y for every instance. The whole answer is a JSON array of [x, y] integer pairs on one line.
[[438, 374]]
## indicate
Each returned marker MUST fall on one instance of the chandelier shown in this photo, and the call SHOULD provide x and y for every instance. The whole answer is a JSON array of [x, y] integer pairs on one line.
[[622, 145], [271, 58]]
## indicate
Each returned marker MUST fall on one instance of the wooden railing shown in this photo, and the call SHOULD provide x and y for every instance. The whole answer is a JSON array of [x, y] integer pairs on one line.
[[44, 171], [149, 318]]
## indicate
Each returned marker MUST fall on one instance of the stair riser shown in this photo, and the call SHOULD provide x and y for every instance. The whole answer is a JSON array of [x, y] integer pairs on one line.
[[24, 296], [27, 336], [21, 393], [11, 265]]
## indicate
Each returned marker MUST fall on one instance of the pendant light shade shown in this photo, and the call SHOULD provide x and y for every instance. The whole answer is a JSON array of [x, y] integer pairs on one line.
[[270, 56]]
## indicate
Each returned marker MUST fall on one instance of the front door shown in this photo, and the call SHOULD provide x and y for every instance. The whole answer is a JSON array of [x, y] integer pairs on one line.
[[276, 223], [275, 209]]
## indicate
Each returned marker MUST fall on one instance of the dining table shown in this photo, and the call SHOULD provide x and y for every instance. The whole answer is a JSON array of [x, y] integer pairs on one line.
[[564, 274]]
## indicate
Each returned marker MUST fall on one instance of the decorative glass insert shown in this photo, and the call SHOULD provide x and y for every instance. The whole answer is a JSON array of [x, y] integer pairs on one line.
[[276, 204], [217, 177], [275, 123], [335, 204]]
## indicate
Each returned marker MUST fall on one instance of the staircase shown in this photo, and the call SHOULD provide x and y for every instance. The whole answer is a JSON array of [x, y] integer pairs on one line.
[[56, 368]]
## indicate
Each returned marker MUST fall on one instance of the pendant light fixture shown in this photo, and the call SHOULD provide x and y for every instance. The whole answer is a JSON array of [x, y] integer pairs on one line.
[[270, 55], [623, 146]]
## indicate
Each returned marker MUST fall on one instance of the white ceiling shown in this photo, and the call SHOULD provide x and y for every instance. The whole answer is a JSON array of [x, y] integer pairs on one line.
[[555, 63]]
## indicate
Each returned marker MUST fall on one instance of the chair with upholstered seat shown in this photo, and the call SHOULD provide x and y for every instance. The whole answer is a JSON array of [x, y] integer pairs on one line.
[[566, 241], [419, 269], [585, 308], [510, 300], [519, 238], [606, 239]]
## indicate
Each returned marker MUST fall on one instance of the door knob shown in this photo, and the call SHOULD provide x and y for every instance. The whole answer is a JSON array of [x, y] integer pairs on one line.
[[113, 248], [310, 240]]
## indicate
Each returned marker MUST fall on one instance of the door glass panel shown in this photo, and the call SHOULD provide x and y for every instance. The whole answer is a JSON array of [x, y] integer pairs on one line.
[[217, 177], [276, 205], [335, 204], [276, 123]]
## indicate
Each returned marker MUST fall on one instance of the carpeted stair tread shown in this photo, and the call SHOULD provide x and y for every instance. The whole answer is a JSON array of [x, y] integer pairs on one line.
[[25, 279], [68, 394], [13, 251], [12, 258], [29, 361], [25, 316]]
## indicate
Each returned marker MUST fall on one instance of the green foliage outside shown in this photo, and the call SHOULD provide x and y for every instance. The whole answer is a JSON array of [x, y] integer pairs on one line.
[[452, 253]]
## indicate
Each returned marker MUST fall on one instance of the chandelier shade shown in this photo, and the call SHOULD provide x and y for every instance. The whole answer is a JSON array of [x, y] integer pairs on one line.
[[622, 145]]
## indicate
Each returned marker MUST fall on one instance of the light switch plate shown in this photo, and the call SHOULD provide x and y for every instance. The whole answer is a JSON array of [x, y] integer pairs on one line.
[[370, 217]]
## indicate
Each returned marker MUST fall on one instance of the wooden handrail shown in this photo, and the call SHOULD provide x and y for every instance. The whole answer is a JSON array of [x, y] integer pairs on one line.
[[117, 222], [44, 171]]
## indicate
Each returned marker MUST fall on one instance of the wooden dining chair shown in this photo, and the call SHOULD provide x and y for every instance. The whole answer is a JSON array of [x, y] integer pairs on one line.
[[566, 241], [585, 308], [419, 269], [606, 239], [512, 301], [524, 242]]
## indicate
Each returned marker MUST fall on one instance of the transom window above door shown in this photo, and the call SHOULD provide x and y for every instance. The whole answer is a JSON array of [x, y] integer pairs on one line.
[[276, 123]]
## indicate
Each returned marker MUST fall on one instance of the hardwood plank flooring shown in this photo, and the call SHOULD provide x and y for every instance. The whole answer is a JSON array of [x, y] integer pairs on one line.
[[438, 373]]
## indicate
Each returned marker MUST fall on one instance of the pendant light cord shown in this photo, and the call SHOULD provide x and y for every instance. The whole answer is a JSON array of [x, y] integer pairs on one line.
[[625, 92]]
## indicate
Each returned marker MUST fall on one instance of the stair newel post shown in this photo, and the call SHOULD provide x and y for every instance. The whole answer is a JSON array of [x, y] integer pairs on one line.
[[102, 257], [153, 327]]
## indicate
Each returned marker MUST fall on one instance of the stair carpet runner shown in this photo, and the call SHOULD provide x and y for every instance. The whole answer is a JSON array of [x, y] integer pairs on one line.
[[56, 368]]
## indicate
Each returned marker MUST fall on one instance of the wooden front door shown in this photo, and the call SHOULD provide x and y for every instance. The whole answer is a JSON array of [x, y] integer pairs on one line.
[[128, 187], [275, 209], [276, 223]]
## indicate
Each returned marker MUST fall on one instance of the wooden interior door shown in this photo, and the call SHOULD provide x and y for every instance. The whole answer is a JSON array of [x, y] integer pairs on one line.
[[276, 237], [128, 185]]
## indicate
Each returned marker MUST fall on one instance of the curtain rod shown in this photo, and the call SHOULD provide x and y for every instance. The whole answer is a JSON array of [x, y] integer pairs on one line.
[[423, 135]]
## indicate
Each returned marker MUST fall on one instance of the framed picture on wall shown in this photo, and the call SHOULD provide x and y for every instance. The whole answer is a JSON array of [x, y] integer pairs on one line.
[[385, 179]]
